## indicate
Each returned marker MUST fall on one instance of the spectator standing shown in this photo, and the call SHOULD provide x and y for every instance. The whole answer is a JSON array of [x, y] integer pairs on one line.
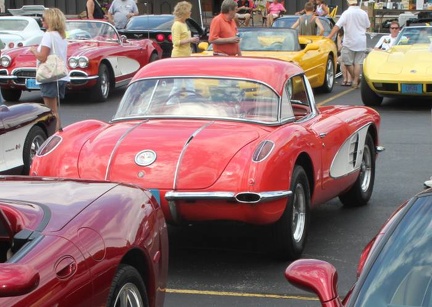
[[223, 31], [274, 10], [308, 22], [345, 75], [121, 11], [355, 22], [387, 41], [94, 10], [321, 8], [244, 10], [182, 40], [54, 21]]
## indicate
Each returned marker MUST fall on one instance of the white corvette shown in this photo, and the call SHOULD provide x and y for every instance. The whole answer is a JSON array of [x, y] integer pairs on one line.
[[23, 129], [19, 31]]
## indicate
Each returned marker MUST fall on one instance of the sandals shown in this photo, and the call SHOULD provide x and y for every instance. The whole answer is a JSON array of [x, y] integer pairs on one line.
[[346, 83]]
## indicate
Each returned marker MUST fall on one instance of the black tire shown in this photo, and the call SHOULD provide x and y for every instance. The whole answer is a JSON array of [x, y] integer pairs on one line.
[[369, 97], [11, 94], [360, 193], [101, 90], [153, 57], [329, 80], [290, 232], [127, 281], [32, 143]]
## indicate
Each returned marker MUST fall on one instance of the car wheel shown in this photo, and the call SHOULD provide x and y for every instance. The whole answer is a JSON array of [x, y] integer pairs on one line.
[[153, 57], [360, 193], [11, 94], [33, 142], [329, 79], [290, 232], [101, 90], [127, 289], [369, 97]]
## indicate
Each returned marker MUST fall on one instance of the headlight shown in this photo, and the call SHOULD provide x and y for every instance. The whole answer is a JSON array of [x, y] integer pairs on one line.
[[81, 62], [73, 63], [5, 61]]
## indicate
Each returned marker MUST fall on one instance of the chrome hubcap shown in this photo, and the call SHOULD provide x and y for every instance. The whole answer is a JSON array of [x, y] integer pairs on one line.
[[366, 169], [128, 296], [299, 213]]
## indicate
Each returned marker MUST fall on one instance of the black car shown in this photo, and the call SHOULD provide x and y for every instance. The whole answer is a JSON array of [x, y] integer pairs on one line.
[[158, 28]]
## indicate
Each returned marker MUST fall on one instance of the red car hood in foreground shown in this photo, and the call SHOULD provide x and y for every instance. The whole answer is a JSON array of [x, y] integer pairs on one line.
[[184, 150]]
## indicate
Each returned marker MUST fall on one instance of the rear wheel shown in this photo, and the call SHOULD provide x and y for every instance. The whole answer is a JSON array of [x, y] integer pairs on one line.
[[361, 191], [327, 87], [127, 289], [290, 232], [369, 97], [33, 142], [11, 94], [101, 90]]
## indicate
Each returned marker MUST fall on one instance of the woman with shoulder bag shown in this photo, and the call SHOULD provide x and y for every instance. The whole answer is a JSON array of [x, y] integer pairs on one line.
[[53, 42]]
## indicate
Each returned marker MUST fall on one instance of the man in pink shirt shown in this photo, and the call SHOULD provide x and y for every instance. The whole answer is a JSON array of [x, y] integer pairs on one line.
[[274, 10]]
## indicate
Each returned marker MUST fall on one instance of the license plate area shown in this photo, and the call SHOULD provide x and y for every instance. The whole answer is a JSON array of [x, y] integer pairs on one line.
[[31, 84], [412, 89]]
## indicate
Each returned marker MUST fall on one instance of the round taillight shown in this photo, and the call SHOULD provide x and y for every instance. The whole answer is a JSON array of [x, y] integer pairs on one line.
[[170, 37], [20, 44], [11, 45], [160, 37]]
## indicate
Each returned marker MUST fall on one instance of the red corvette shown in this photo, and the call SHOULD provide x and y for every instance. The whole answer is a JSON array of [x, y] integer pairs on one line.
[[99, 59], [80, 243], [222, 143]]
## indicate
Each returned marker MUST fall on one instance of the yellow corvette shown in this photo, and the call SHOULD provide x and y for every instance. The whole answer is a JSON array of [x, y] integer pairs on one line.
[[316, 55], [404, 70]]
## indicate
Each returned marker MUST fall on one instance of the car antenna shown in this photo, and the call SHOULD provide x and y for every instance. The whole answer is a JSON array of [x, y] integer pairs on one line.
[[148, 18]]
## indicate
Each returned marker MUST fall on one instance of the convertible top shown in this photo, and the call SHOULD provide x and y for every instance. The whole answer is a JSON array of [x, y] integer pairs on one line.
[[266, 70]]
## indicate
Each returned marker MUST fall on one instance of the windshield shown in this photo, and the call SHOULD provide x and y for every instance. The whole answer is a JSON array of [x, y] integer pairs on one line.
[[414, 35], [13, 25], [269, 40], [150, 22], [86, 30], [402, 273], [200, 98]]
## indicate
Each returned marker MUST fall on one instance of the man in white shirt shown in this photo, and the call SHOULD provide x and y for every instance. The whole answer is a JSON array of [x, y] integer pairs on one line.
[[387, 41], [355, 22]]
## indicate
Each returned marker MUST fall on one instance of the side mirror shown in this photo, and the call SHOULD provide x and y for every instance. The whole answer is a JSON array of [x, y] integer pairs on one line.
[[16, 279], [203, 46], [315, 276]]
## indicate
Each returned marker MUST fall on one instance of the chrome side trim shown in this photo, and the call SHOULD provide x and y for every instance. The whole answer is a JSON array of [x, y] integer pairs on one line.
[[242, 197]]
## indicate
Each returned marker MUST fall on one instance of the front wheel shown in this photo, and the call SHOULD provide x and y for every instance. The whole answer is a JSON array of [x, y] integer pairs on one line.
[[329, 77], [290, 232], [360, 193], [101, 90], [369, 97], [127, 289], [11, 94], [33, 142]]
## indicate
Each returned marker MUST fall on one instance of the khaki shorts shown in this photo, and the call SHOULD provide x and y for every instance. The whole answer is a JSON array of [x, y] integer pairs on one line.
[[350, 57]]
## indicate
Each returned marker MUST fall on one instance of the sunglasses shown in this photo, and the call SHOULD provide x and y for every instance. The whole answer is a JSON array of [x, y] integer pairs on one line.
[[394, 28]]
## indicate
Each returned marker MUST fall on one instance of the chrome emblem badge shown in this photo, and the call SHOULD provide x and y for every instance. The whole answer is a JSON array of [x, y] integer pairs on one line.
[[145, 157]]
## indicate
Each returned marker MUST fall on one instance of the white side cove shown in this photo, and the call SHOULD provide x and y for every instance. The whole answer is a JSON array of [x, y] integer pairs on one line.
[[123, 65], [349, 157], [12, 146]]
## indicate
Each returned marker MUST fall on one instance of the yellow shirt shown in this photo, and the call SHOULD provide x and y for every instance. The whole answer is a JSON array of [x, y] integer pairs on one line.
[[180, 31]]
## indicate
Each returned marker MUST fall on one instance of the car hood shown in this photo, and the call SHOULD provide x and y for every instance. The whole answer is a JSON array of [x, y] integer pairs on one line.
[[188, 154], [412, 60]]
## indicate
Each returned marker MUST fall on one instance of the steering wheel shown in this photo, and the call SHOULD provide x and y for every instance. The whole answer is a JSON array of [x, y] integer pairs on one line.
[[276, 46], [189, 94]]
